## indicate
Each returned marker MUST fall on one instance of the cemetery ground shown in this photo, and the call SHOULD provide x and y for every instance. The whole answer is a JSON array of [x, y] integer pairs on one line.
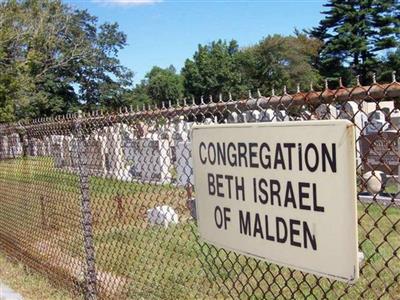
[[147, 261], [29, 284]]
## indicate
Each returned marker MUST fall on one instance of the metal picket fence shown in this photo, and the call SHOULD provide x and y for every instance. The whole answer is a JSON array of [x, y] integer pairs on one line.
[[104, 204]]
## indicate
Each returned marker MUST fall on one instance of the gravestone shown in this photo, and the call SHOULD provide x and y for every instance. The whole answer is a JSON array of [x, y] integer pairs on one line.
[[183, 162], [32, 147], [350, 111], [148, 159], [326, 112], [156, 161], [48, 145], [95, 155], [395, 120], [4, 147], [41, 151], [233, 117], [74, 154], [56, 150], [114, 151], [379, 151], [15, 146], [268, 115], [377, 122], [66, 152]]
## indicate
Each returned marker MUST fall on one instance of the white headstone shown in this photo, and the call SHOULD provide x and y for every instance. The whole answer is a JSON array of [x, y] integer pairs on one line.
[[395, 119], [184, 163], [162, 215], [350, 111], [377, 122]]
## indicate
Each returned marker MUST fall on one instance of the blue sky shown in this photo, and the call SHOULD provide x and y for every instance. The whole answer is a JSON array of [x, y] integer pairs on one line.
[[164, 32]]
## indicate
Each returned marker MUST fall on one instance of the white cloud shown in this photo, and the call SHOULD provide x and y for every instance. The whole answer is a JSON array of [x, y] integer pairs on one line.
[[127, 2]]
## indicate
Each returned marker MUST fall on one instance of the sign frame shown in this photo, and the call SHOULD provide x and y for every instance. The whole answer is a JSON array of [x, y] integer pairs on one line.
[[347, 138]]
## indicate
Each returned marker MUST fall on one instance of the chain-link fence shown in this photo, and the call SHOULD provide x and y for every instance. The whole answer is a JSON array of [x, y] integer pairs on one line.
[[104, 203]]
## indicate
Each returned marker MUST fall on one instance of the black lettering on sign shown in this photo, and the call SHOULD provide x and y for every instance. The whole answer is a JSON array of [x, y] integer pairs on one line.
[[315, 204], [308, 237], [289, 196], [221, 150], [303, 195], [331, 158], [211, 184], [279, 157], [275, 188], [229, 179], [257, 226], [220, 185], [218, 216], [244, 223], [240, 188], [211, 153], [232, 158], [253, 155], [294, 232], [265, 158], [308, 160], [300, 156], [242, 151], [263, 195], [221, 216], [281, 233], [202, 158], [267, 236], [289, 147]]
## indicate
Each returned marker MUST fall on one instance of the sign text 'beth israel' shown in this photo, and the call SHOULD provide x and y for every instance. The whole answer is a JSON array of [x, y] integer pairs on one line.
[[282, 192]]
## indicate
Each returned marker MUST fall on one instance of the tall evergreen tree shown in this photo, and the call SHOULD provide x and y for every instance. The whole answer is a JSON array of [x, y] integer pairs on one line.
[[355, 32]]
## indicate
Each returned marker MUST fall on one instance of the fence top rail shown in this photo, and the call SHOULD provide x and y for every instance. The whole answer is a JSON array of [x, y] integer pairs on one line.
[[371, 93]]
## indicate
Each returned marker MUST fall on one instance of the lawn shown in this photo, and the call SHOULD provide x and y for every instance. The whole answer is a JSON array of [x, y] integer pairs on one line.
[[40, 225], [28, 283]]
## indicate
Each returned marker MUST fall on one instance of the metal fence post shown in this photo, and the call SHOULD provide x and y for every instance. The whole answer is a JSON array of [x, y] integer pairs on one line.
[[87, 219]]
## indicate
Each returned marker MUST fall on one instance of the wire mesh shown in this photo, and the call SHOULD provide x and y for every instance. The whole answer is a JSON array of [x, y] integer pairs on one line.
[[104, 204]]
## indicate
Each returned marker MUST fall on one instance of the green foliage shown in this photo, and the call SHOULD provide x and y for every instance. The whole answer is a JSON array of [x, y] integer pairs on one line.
[[160, 85], [54, 59], [212, 70], [390, 63], [164, 85], [275, 61], [278, 60], [355, 33]]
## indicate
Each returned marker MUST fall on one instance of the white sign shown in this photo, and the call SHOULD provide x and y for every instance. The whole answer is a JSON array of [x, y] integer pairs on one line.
[[284, 192]]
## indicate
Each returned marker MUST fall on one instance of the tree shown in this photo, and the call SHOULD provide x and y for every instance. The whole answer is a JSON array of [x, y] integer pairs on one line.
[[280, 60], [54, 60], [160, 85], [273, 62], [354, 33], [389, 64], [212, 70], [164, 85]]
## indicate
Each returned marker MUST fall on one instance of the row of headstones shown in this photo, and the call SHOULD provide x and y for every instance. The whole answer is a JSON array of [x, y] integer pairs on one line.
[[11, 146], [374, 134], [118, 152]]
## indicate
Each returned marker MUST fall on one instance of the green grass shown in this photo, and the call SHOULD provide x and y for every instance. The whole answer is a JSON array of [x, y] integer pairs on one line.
[[30, 284], [41, 206]]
